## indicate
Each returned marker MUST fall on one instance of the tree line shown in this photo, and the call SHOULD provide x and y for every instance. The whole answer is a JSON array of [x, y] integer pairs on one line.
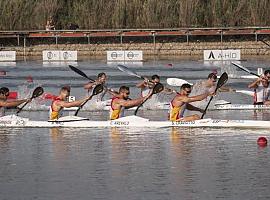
[[103, 14]]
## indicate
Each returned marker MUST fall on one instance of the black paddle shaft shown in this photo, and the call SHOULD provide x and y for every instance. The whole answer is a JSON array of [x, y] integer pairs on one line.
[[81, 73], [157, 89], [245, 69], [36, 93], [98, 89], [221, 81]]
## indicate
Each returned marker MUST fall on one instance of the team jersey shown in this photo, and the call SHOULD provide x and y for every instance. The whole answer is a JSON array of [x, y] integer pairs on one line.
[[176, 112], [53, 113], [116, 113], [261, 94]]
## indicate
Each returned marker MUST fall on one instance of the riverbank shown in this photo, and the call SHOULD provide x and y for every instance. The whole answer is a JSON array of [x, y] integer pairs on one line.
[[168, 48]]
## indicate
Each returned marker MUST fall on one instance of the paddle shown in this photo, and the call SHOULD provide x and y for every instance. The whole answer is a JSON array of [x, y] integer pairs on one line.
[[129, 71], [221, 81], [157, 89], [133, 73], [97, 89], [177, 82], [245, 69], [81, 73], [36, 93]]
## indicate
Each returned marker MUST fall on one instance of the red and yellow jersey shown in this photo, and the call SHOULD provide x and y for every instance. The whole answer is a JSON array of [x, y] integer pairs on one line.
[[54, 114], [116, 113], [176, 112]]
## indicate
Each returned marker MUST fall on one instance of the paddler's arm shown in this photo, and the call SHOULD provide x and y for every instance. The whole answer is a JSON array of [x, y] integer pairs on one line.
[[133, 102], [255, 83], [89, 85], [194, 98], [226, 89], [194, 108], [143, 84], [71, 104], [12, 103]]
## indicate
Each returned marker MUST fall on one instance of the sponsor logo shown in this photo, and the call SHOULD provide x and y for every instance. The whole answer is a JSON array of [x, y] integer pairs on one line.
[[114, 55], [49, 55], [130, 55], [211, 55], [119, 123], [183, 123], [65, 55]]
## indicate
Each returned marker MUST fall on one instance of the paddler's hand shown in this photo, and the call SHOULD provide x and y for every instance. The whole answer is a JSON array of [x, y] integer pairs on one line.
[[212, 94], [201, 110], [28, 100], [146, 80], [232, 90], [88, 98]]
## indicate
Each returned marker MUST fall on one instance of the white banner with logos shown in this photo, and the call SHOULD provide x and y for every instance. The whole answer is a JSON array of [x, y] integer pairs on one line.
[[60, 55], [221, 55], [7, 55], [124, 55]]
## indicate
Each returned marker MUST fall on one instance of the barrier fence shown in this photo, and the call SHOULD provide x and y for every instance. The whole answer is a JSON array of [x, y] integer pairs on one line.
[[256, 33]]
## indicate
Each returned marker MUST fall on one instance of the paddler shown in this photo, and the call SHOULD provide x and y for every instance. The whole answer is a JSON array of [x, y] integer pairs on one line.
[[147, 85], [182, 101], [60, 102], [209, 85], [101, 79], [119, 103], [4, 93], [261, 88]]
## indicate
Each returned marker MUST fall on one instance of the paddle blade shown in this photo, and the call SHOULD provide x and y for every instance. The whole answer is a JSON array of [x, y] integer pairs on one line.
[[158, 88], [176, 82], [37, 92], [222, 80], [128, 71], [244, 69], [98, 89], [81, 73]]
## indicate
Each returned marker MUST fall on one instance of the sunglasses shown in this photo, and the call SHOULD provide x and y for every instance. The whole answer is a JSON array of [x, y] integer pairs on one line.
[[188, 91]]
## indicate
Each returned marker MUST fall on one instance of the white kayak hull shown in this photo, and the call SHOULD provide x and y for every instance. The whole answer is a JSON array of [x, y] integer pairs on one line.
[[158, 106], [129, 121], [164, 106], [241, 107]]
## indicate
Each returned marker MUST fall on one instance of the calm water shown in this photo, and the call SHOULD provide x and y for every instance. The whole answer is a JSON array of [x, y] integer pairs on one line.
[[132, 163]]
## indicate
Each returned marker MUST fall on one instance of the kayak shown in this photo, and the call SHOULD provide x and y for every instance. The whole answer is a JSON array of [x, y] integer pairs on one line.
[[161, 106], [242, 107], [129, 121], [97, 107]]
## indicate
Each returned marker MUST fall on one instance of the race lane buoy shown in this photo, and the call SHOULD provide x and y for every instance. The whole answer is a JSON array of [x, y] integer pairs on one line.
[[29, 79], [262, 141], [3, 73]]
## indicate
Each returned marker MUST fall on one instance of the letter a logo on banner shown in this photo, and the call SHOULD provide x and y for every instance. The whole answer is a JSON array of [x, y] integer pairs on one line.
[[211, 55]]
